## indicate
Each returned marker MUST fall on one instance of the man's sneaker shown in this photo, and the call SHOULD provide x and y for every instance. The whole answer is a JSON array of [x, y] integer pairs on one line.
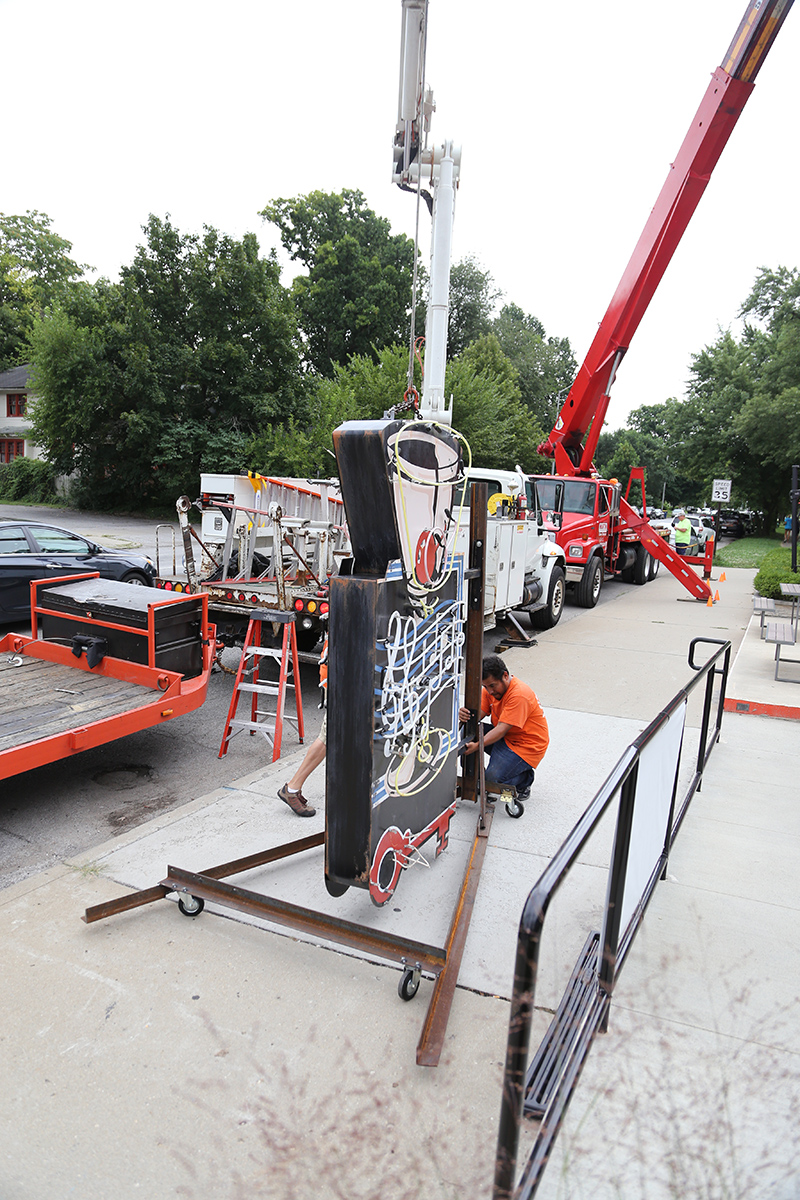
[[523, 796], [296, 801]]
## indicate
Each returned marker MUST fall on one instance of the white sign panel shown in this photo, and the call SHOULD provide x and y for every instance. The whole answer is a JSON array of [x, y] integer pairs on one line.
[[658, 766], [721, 491]]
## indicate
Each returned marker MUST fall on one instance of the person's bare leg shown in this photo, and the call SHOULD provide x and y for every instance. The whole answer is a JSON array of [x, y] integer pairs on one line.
[[313, 757]]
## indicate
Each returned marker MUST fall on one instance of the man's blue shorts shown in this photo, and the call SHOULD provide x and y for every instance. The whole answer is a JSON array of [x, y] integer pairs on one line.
[[506, 766]]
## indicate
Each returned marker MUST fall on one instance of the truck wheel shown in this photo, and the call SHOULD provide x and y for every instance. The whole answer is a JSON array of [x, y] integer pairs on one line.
[[654, 565], [641, 571], [550, 615], [587, 591]]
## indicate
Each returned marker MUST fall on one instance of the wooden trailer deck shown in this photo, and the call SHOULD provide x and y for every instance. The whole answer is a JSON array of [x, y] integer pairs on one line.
[[39, 699], [53, 704]]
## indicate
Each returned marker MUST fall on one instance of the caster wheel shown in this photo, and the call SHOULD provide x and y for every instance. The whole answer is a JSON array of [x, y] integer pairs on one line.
[[408, 986], [191, 906], [515, 808]]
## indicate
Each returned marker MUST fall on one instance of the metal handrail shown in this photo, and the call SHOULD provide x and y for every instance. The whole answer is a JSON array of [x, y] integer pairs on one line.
[[616, 944]]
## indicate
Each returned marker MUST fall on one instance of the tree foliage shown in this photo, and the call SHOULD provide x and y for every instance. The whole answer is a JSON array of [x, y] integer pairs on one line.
[[473, 296], [545, 365], [144, 383], [355, 298], [487, 409], [35, 270], [741, 416]]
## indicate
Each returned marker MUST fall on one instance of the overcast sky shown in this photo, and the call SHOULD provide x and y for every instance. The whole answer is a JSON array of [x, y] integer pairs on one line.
[[569, 115]]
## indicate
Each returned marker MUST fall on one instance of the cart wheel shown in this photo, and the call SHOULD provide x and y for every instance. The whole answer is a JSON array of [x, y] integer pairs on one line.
[[191, 906], [515, 808], [408, 986]]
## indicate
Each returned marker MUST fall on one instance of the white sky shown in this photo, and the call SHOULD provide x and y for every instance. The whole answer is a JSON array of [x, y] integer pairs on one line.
[[569, 115]]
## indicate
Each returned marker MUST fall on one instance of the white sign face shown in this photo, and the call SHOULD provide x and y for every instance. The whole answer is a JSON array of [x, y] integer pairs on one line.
[[721, 491]]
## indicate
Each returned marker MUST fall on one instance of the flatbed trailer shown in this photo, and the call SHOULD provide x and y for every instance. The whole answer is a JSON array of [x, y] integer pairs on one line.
[[54, 704]]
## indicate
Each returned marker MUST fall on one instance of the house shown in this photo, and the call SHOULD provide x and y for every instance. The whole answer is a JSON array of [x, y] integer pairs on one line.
[[15, 397]]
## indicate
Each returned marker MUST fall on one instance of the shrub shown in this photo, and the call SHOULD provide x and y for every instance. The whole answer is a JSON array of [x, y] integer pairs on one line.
[[776, 568], [28, 481]]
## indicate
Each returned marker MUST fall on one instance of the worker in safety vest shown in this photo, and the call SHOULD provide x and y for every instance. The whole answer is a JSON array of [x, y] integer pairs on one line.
[[683, 533]]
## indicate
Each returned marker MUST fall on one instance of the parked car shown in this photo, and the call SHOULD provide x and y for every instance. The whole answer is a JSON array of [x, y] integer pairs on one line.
[[704, 528], [731, 524], [32, 550]]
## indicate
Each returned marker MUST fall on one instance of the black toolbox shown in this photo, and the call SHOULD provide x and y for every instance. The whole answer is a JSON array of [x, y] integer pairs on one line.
[[119, 613]]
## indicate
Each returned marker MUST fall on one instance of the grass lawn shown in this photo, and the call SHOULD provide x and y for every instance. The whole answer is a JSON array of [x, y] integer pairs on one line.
[[748, 552]]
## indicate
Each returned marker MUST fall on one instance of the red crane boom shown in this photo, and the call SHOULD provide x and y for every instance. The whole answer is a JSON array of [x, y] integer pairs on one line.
[[729, 90], [603, 534]]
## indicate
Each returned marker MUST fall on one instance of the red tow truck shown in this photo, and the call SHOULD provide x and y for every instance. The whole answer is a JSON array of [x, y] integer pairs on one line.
[[600, 530]]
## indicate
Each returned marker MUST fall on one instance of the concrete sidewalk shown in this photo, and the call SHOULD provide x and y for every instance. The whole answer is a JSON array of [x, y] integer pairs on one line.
[[207, 1057]]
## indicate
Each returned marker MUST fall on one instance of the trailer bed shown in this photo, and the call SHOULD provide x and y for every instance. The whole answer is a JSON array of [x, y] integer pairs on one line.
[[53, 704], [39, 699]]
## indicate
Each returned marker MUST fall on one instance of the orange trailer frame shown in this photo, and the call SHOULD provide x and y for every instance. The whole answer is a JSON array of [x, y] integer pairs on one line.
[[171, 696]]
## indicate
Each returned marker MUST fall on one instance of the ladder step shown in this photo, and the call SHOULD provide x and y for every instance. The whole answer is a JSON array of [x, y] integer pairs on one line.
[[265, 689], [262, 713], [261, 726], [270, 724], [241, 723]]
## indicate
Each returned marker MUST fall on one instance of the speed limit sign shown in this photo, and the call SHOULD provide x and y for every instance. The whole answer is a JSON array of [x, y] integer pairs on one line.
[[721, 491]]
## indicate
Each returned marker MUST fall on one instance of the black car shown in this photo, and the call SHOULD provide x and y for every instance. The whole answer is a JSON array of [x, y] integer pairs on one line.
[[31, 550], [731, 524]]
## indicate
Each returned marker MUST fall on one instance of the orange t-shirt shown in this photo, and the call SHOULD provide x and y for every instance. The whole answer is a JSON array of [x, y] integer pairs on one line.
[[528, 736]]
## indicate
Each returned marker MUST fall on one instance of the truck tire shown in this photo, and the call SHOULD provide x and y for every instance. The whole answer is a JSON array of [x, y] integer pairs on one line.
[[654, 565], [587, 591], [641, 571], [550, 615]]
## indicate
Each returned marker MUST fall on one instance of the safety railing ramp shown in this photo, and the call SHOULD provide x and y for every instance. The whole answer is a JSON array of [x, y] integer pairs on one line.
[[647, 785], [571, 1023]]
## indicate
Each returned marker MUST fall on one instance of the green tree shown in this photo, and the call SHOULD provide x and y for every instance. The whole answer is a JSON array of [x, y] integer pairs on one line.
[[173, 370], [473, 295], [741, 416], [35, 270], [355, 298], [545, 365], [363, 390], [486, 407], [18, 308]]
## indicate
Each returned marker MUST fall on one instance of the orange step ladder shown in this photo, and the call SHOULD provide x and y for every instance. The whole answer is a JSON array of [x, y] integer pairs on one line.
[[249, 679]]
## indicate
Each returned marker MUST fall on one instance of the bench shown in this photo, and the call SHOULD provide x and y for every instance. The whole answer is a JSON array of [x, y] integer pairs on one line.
[[782, 633], [791, 591], [763, 606]]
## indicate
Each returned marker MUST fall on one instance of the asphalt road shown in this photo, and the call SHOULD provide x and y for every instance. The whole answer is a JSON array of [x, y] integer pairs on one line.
[[59, 810]]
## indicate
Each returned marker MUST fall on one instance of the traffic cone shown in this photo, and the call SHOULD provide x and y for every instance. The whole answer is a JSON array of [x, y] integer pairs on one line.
[[723, 578], [709, 603], [716, 594]]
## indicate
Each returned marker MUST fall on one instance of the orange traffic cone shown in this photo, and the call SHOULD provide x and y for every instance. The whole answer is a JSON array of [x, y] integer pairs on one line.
[[723, 578], [709, 603], [716, 594]]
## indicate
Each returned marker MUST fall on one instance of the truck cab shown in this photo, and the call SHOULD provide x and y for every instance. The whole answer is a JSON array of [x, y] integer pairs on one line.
[[524, 564], [595, 541]]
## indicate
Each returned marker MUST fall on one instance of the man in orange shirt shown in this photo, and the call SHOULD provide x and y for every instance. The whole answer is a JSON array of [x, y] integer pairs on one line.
[[518, 738]]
